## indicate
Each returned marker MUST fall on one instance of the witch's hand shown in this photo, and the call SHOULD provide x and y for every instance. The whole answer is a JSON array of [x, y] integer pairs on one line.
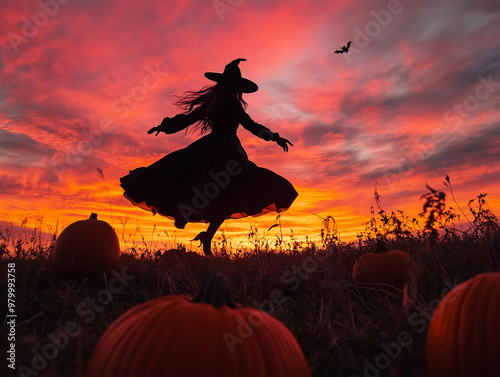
[[282, 142], [155, 129], [161, 128]]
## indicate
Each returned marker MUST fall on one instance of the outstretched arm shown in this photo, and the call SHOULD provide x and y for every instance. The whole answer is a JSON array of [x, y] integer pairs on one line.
[[176, 124], [261, 131]]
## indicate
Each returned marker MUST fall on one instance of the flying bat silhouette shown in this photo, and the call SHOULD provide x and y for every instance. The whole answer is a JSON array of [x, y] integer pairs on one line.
[[344, 48]]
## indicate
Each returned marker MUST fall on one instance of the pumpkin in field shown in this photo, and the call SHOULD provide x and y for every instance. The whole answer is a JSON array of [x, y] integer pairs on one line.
[[207, 335], [463, 337], [395, 267], [186, 259], [494, 252], [85, 248]]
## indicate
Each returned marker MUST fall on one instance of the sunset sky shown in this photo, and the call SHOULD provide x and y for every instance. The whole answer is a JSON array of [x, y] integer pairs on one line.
[[416, 98]]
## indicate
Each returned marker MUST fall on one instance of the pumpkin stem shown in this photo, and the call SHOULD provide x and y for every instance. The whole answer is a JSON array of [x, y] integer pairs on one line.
[[93, 216], [381, 246], [215, 291]]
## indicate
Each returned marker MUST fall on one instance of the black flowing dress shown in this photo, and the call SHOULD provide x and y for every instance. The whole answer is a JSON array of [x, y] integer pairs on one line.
[[211, 179]]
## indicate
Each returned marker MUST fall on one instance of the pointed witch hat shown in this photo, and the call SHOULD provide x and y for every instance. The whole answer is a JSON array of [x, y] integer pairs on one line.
[[232, 74]]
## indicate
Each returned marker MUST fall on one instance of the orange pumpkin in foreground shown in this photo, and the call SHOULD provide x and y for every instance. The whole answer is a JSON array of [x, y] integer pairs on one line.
[[85, 248], [395, 268], [463, 337], [207, 335]]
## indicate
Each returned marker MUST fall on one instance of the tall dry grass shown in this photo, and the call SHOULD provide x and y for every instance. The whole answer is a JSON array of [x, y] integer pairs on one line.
[[307, 285]]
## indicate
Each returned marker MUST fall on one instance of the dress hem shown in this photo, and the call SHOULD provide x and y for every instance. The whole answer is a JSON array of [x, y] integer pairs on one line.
[[237, 215]]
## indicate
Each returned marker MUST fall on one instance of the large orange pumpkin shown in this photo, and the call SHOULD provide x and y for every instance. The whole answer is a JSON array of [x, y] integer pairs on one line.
[[85, 248], [463, 337], [207, 335], [395, 268]]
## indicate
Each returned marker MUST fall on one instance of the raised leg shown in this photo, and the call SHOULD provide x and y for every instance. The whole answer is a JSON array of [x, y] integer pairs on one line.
[[212, 229], [205, 238]]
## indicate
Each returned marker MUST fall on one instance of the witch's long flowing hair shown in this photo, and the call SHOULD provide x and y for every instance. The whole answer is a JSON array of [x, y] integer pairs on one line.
[[207, 100]]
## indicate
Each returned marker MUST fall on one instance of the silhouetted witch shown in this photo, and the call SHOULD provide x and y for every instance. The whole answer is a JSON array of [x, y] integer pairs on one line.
[[212, 179]]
